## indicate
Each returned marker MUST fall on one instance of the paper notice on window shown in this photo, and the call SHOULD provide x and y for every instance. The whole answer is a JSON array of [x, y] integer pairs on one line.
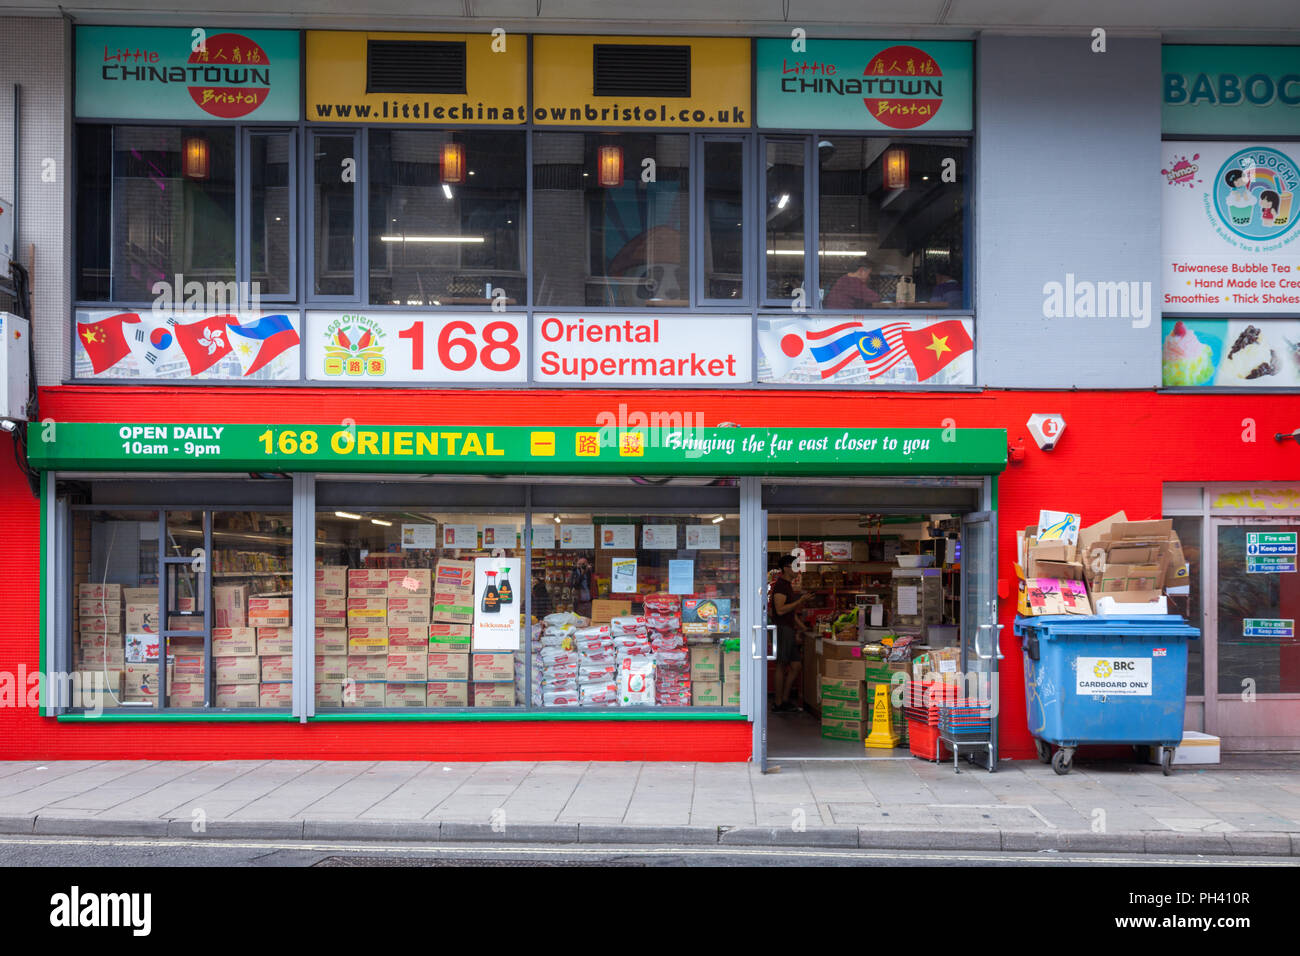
[[460, 536], [419, 535], [622, 578], [543, 537], [618, 536], [500, 536], [575, 537], [877, 615], [907, 600], [661, 537], [703, 537], [681, 577]]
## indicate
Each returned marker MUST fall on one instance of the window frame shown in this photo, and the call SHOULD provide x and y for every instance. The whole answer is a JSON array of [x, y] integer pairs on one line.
[[360, 249], [699, 206], [244, 236]]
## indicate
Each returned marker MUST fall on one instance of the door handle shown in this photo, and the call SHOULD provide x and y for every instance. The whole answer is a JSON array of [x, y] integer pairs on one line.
[[772, 628], [997, 655], [753, 645]]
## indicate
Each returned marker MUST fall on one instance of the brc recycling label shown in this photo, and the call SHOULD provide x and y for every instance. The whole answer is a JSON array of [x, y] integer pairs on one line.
[[1113, 676]]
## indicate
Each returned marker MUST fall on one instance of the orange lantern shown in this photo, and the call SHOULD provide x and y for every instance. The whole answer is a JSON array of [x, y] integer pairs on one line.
[[453, 162], [196, 158], [895, 166], [609, 165]]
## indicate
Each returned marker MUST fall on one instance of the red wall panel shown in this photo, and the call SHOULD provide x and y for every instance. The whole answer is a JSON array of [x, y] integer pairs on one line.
[[1117, 449]]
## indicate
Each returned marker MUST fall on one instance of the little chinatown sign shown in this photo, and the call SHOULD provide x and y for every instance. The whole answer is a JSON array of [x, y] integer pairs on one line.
[[142, 446]]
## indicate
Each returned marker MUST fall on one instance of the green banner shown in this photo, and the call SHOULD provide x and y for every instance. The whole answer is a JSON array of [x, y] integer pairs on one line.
[[101, 446]]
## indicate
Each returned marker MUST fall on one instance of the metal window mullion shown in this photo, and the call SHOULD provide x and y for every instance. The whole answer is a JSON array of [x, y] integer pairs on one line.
[[361, 217], [527, 585], [163, 596], [208, 520], [303, 563], [811, 224], [243, 206]]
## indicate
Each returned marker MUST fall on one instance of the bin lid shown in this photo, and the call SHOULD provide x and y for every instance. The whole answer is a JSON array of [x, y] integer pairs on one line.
[[1106, 625]]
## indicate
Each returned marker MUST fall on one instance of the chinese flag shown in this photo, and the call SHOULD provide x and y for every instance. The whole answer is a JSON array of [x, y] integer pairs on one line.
[[934, 346], [104, 341], [204, 343]]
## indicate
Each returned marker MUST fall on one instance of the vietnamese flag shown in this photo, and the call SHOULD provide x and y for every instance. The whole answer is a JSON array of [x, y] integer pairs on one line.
[[104, 341], [934, 346], [204, 343]]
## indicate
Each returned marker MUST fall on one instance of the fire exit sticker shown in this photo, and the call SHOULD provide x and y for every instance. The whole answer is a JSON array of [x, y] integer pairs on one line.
[[1270, 552], [1269, 627], [1113, 676]]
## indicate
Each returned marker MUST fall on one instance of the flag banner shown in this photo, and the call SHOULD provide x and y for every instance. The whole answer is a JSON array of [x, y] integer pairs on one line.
[[237, 346], [877, 349]]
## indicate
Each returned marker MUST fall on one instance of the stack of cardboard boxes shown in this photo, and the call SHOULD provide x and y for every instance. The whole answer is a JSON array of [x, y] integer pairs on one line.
[[252, 649], [848, 689], [100, 651]]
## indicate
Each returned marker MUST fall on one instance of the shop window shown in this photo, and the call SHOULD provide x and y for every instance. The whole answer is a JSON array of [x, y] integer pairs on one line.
[[446, 217], [723, 255], [334, 215], [890, 227], [403, 596], [1186, 600], [784, 217], [635, 610], [627, 194], [271, 229], [153, 202]]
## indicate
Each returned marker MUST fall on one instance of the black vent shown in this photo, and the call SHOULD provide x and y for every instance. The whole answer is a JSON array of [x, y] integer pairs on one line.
[[415, 66], [623, 70]]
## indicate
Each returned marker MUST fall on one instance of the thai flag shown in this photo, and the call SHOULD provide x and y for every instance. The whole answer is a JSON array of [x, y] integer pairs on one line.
[[259, 342], [835, 347]]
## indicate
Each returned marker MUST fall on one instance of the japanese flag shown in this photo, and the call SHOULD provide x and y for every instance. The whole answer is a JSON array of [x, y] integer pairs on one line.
[[783, 347]]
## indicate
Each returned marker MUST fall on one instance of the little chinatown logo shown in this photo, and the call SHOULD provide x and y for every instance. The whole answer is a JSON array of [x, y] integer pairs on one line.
[[354, 346], [903, 87], [228, 77]]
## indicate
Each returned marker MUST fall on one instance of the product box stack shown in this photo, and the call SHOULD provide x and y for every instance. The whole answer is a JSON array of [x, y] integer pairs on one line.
[[235, 666], [271, 620], [597, 666], [493, 675], [451, 617], [522, 690], [409, 596], [331, 635], [845, 702], [663, 613], [731, 672], [705, 621], [367, 626], [557, 659], [706, 675], [101, 651], [635, 665]]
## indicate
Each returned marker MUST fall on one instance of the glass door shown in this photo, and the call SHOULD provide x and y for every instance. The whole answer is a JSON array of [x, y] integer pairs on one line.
[[758, 635], [980, 630]]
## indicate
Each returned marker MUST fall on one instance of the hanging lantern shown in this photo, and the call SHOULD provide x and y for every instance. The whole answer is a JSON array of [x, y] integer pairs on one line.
[[453, 162], [609, 165], [896, 168], [196, 159]]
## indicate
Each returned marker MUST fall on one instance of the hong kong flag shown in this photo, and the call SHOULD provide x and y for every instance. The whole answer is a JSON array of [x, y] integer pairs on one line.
[[104, 341], [934, 346], [204, 343]]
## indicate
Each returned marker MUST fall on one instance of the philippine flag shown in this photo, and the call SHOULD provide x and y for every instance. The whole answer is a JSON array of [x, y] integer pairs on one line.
[[259, 342]]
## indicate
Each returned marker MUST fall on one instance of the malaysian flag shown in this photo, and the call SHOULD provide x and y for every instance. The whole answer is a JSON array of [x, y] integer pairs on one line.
[[882, 348]]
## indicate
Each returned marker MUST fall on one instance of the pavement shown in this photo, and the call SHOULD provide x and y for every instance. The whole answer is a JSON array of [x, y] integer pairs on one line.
[[1247, 806]]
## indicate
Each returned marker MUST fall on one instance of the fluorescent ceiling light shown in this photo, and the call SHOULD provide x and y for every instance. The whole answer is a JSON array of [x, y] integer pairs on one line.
[[430, 238], [381, 522], [446, 190], [829, 252], [719, 519], [347, 514], [781, 203], [557, 519]]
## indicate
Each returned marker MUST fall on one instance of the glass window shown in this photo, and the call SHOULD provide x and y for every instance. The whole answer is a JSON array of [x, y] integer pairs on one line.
[[154, 202], [270, 249], [724, 214], [446, 217], [890, 229], [1258, 609], [784, 223], [403, 596], [639, 611], [1188, 604], [334, 215], [612, 220]]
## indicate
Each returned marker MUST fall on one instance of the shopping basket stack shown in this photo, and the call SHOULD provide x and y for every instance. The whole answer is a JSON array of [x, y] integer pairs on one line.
[[921, 708], [964, 721]]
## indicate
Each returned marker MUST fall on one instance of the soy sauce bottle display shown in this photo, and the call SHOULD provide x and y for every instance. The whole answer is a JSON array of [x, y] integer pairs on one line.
[[506, 592], [491, 596]]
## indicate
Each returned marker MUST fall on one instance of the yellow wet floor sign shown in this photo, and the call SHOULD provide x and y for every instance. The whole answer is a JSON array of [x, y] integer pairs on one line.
[[882, 736]]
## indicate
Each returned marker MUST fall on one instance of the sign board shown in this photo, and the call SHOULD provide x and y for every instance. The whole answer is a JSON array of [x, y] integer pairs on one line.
[[1283, 628], [1230, 353], [498, 599], [1113, 676], [1229, 237], [1231, 90], [865, 85], [886, 347], [178, 73], [652, 350], [1270, 552]]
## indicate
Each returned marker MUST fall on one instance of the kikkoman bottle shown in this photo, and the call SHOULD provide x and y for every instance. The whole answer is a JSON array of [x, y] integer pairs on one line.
[[506, 592], [491, 596]]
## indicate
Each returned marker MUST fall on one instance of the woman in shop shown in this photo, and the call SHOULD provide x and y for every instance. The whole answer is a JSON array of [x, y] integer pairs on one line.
[[789, 657], [583, 587]]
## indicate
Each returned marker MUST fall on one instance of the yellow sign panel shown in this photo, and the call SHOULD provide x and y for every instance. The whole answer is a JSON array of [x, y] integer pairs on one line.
[[587, 444], [496, 82], [542, 444], [563, 86]]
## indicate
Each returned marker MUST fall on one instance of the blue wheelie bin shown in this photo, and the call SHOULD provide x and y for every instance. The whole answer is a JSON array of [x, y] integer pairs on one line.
[[1105, 680]]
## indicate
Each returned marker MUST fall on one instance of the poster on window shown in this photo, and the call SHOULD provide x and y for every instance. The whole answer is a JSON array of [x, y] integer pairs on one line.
[[460, 536], [1231, 353], [420, 535], [497, 601], [500, 536], [622, 576], [577, 537], [543, 537], [891, 347], [1228, 222], [662, 537], [618, 536], [703, 537], [186, 346]]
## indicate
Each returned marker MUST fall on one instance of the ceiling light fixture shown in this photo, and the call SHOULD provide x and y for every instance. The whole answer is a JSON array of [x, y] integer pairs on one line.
[[381, 522], [347, 514]]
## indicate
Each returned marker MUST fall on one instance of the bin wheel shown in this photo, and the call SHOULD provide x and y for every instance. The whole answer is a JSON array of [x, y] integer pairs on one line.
[[1044, 750], [1062, 760], [1167, 761]]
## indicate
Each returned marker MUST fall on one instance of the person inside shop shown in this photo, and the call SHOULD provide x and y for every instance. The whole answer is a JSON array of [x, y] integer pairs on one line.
[[542, 605], [946, 290], [852, 290], [583, 586], [789, 658]]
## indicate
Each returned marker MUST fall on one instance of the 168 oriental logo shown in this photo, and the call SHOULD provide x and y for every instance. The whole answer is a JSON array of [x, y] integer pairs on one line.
[[354, 345]]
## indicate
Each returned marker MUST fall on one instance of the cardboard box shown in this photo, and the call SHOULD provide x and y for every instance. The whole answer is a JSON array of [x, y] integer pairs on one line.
[[100, 592], [365, 694], [329, 693], [731, 666], [185, 695], [1039, 596], [97, 688], [845, 729], [494, 695], [409, 636], [493, 665], [368, 612], [234, 642], [237, 670], [140, 680], [331, 640], [453, 593], [269, 612], [88, 640], [367, 667], [447, 693], [275, 694], [406, 667], [367, 578], [603, 611], [230, 606], [331, 668], [277, 668], [841, 650], [274, 640], [96, 607], [846, 709], [454, 576], [408, 611], [368, 635], [181, 645], [447, 667], [95, 657], [367, 593], [187, 666], [731, 693], [835, 688], [450, 638], [140, 595], [406, 694], [111, 624], [851, 670], [706, 664], [707, 693], [373, 645], [331, 612], [410, 583], [238, 695], [332, 582], [184, 622]]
